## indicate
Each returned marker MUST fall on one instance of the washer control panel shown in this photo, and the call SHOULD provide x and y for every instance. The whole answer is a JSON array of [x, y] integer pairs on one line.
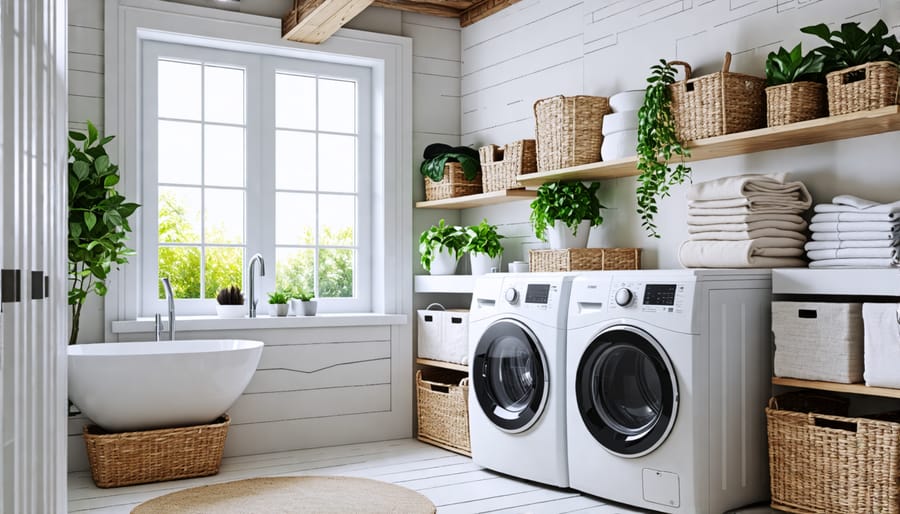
[[540, 296], [648, 296]]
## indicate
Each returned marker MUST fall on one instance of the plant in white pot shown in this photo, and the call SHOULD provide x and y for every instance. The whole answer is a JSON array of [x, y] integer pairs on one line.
[[278, 303], [564, 213], [483, 245], [303, 303], [230, 302], [440, 247]]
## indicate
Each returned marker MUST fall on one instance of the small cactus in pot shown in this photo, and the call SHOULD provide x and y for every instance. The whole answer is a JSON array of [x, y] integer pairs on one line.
[[230, 302]]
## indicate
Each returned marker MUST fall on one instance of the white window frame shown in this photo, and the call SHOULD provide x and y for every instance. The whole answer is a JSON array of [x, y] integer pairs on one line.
[[129, 23]]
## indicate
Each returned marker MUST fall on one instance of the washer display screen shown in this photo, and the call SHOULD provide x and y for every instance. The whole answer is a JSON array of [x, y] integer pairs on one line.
[[659, 294], [537, 293]]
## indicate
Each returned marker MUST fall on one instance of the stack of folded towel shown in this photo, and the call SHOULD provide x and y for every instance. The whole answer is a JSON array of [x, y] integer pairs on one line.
[[853, 232], [748, 221]]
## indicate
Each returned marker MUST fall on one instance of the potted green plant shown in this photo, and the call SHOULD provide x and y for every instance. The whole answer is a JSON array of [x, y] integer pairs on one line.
[[564, 212], [852, 46], [230, 302], [278, 303], [303, 303], [658, 143], [440, 247], [98, 220], [483, 245], [794, 89], [437, 155]]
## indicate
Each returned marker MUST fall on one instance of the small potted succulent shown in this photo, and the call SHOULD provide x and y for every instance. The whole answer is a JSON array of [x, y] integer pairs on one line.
[[483, 245], [794, 88], [278, 303], [564, 213], [303, 303], [440, 247], [230, 302]]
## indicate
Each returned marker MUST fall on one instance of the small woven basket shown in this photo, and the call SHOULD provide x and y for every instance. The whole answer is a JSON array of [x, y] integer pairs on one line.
[[822, 461], [577, 259], [443, 410], [453, 184], [862, 88], [793, 102], [504, 164], [717, 104], [129, 458], [569, 130]]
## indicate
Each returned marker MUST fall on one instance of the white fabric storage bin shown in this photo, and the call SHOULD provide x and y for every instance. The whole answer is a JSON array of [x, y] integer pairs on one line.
[[818, 341], [443, 335], [882, 344]]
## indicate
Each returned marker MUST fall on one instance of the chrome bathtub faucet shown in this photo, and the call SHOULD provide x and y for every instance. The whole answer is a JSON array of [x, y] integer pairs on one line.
[[170, 299], [262, 272]]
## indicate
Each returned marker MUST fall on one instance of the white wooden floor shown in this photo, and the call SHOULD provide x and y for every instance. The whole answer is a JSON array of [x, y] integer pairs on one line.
[[452, 482]]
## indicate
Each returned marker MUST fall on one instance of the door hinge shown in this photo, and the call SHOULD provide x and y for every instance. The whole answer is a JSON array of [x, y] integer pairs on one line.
[[10, 285], [39, 285]]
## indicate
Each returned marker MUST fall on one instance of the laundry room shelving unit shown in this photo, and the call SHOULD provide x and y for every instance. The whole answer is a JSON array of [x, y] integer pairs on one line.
[[479, 200]]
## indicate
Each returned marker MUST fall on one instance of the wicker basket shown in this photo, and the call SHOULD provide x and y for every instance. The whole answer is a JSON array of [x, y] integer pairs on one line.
[[861, 88], [717, 104], [500, 166], [443, 410], [569, 130], [453, 184], [576, 259], [129, 458], [793, 102], [821, 462]]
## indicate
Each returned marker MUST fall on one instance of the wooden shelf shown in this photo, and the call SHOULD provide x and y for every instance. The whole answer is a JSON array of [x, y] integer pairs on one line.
[[442, 364], [836, 281], [479, 200], [839, 388], [832, 128]]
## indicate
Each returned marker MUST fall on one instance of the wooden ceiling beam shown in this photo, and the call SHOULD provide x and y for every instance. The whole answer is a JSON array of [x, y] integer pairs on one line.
[[314, 21], [419, 7], [482, 10]]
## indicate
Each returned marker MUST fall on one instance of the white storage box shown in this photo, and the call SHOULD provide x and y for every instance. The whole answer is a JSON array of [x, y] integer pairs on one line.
[[818, 341], [882, 344], [444, 335]]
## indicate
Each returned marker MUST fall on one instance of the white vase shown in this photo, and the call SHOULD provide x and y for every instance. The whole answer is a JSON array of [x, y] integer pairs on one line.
[[309, 308], [482, 263], [443, 263], [278, 309], [560, 236], [231, 311]]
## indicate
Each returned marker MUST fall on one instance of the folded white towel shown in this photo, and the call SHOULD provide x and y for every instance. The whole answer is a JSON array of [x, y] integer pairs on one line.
[[733, 235], [833, 245], [854, 236], [746, 186], [881, 344], [853, 253], [855, 226], [753, 225], [744, 218], [757, 253], [854, 263], [746, 209], [850, 203], [855, 216]]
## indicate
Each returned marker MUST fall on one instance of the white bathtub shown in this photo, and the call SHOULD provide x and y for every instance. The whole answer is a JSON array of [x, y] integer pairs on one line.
[[139, 386]]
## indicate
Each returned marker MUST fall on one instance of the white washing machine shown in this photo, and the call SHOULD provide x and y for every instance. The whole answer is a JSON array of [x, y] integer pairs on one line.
[[668, 373], [517, 360]]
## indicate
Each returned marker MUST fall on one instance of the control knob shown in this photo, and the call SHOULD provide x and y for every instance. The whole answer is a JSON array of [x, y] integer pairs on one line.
[[624, 296], [512, 296]]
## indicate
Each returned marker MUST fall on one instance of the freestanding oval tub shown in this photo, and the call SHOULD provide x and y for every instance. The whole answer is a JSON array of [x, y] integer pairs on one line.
[[146, 385]]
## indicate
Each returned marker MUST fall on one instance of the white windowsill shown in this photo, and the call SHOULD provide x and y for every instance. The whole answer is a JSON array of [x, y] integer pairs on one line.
[[212, 323]]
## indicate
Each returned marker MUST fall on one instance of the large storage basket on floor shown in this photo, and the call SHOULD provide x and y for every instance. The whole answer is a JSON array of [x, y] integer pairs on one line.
[[576, 259], [717, 104], [128, 458], [861, 88], [443, 409], [500, 166], [569, 130], [830, 463], [453, 184], [793, 102]]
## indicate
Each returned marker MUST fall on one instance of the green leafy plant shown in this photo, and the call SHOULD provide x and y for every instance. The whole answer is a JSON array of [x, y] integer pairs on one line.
[[279, 297], [852, 46], [783, 67], [302, 295], [483, 238], [438, 155], [568, 202], [230, 295], [98, 220], [439, 237], [657, 144]]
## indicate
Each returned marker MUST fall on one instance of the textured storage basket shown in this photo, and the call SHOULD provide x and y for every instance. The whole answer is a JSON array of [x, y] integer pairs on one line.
[[862, 88], [499, 166], [881, 344], [822, 461], [575, 259], [443, 409], [453, 184], [717, 104], [818, 341], [569, 130], [797, 101], [443, 335], [129, 458]]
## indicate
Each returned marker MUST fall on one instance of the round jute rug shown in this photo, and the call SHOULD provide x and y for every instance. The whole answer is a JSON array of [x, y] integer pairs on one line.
[[291, 495]]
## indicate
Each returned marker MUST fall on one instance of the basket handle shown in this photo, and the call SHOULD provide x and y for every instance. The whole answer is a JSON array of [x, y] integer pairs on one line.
[[430, 305], [825, 421], [687, 68], [727, 64]]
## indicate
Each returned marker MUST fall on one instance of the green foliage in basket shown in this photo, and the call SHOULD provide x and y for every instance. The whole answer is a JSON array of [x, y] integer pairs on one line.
[[279, 297], [437, 238], [657, 144], [852, 46], [483, 238], [568, 202], [437, 156], [784, 67], [230, 295]]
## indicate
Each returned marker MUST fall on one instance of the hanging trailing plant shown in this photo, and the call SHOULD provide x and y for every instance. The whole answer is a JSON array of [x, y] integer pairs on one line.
[[657, 144]]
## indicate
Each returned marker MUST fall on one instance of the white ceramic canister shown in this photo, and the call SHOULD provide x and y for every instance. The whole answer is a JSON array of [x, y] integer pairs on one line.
[[627, 100], [619, 121], [619, 145]]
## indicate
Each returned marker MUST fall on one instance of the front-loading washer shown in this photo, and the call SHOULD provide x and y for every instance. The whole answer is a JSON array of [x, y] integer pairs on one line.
[[517, 360], [668, 373]]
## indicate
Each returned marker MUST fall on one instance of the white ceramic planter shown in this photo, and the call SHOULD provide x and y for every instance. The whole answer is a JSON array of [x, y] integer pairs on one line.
[[560, 236], [278, 309], [619, 145], [309, 308], [482, 263], [619, 121], [443, 263], [631, 100], [231, 311]]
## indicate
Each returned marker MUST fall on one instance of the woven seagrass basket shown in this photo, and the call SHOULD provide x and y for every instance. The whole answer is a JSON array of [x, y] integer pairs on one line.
[[576, 259], [717, 104], [500, 166], [862, 88], [442, 404], [453, 184], [793, 102], [569, 130]]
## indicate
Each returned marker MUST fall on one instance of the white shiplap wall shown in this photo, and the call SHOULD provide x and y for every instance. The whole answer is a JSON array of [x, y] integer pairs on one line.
[[541, 48]]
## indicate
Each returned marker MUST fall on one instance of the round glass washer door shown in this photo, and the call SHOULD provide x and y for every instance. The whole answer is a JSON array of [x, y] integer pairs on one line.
[[509, 376], [627, 391]]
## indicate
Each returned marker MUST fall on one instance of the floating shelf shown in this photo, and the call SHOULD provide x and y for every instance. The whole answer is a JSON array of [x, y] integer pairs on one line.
[[832, 128], [444, 283], [479, 200], [442, 364], [838, 388], [836, 281]]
